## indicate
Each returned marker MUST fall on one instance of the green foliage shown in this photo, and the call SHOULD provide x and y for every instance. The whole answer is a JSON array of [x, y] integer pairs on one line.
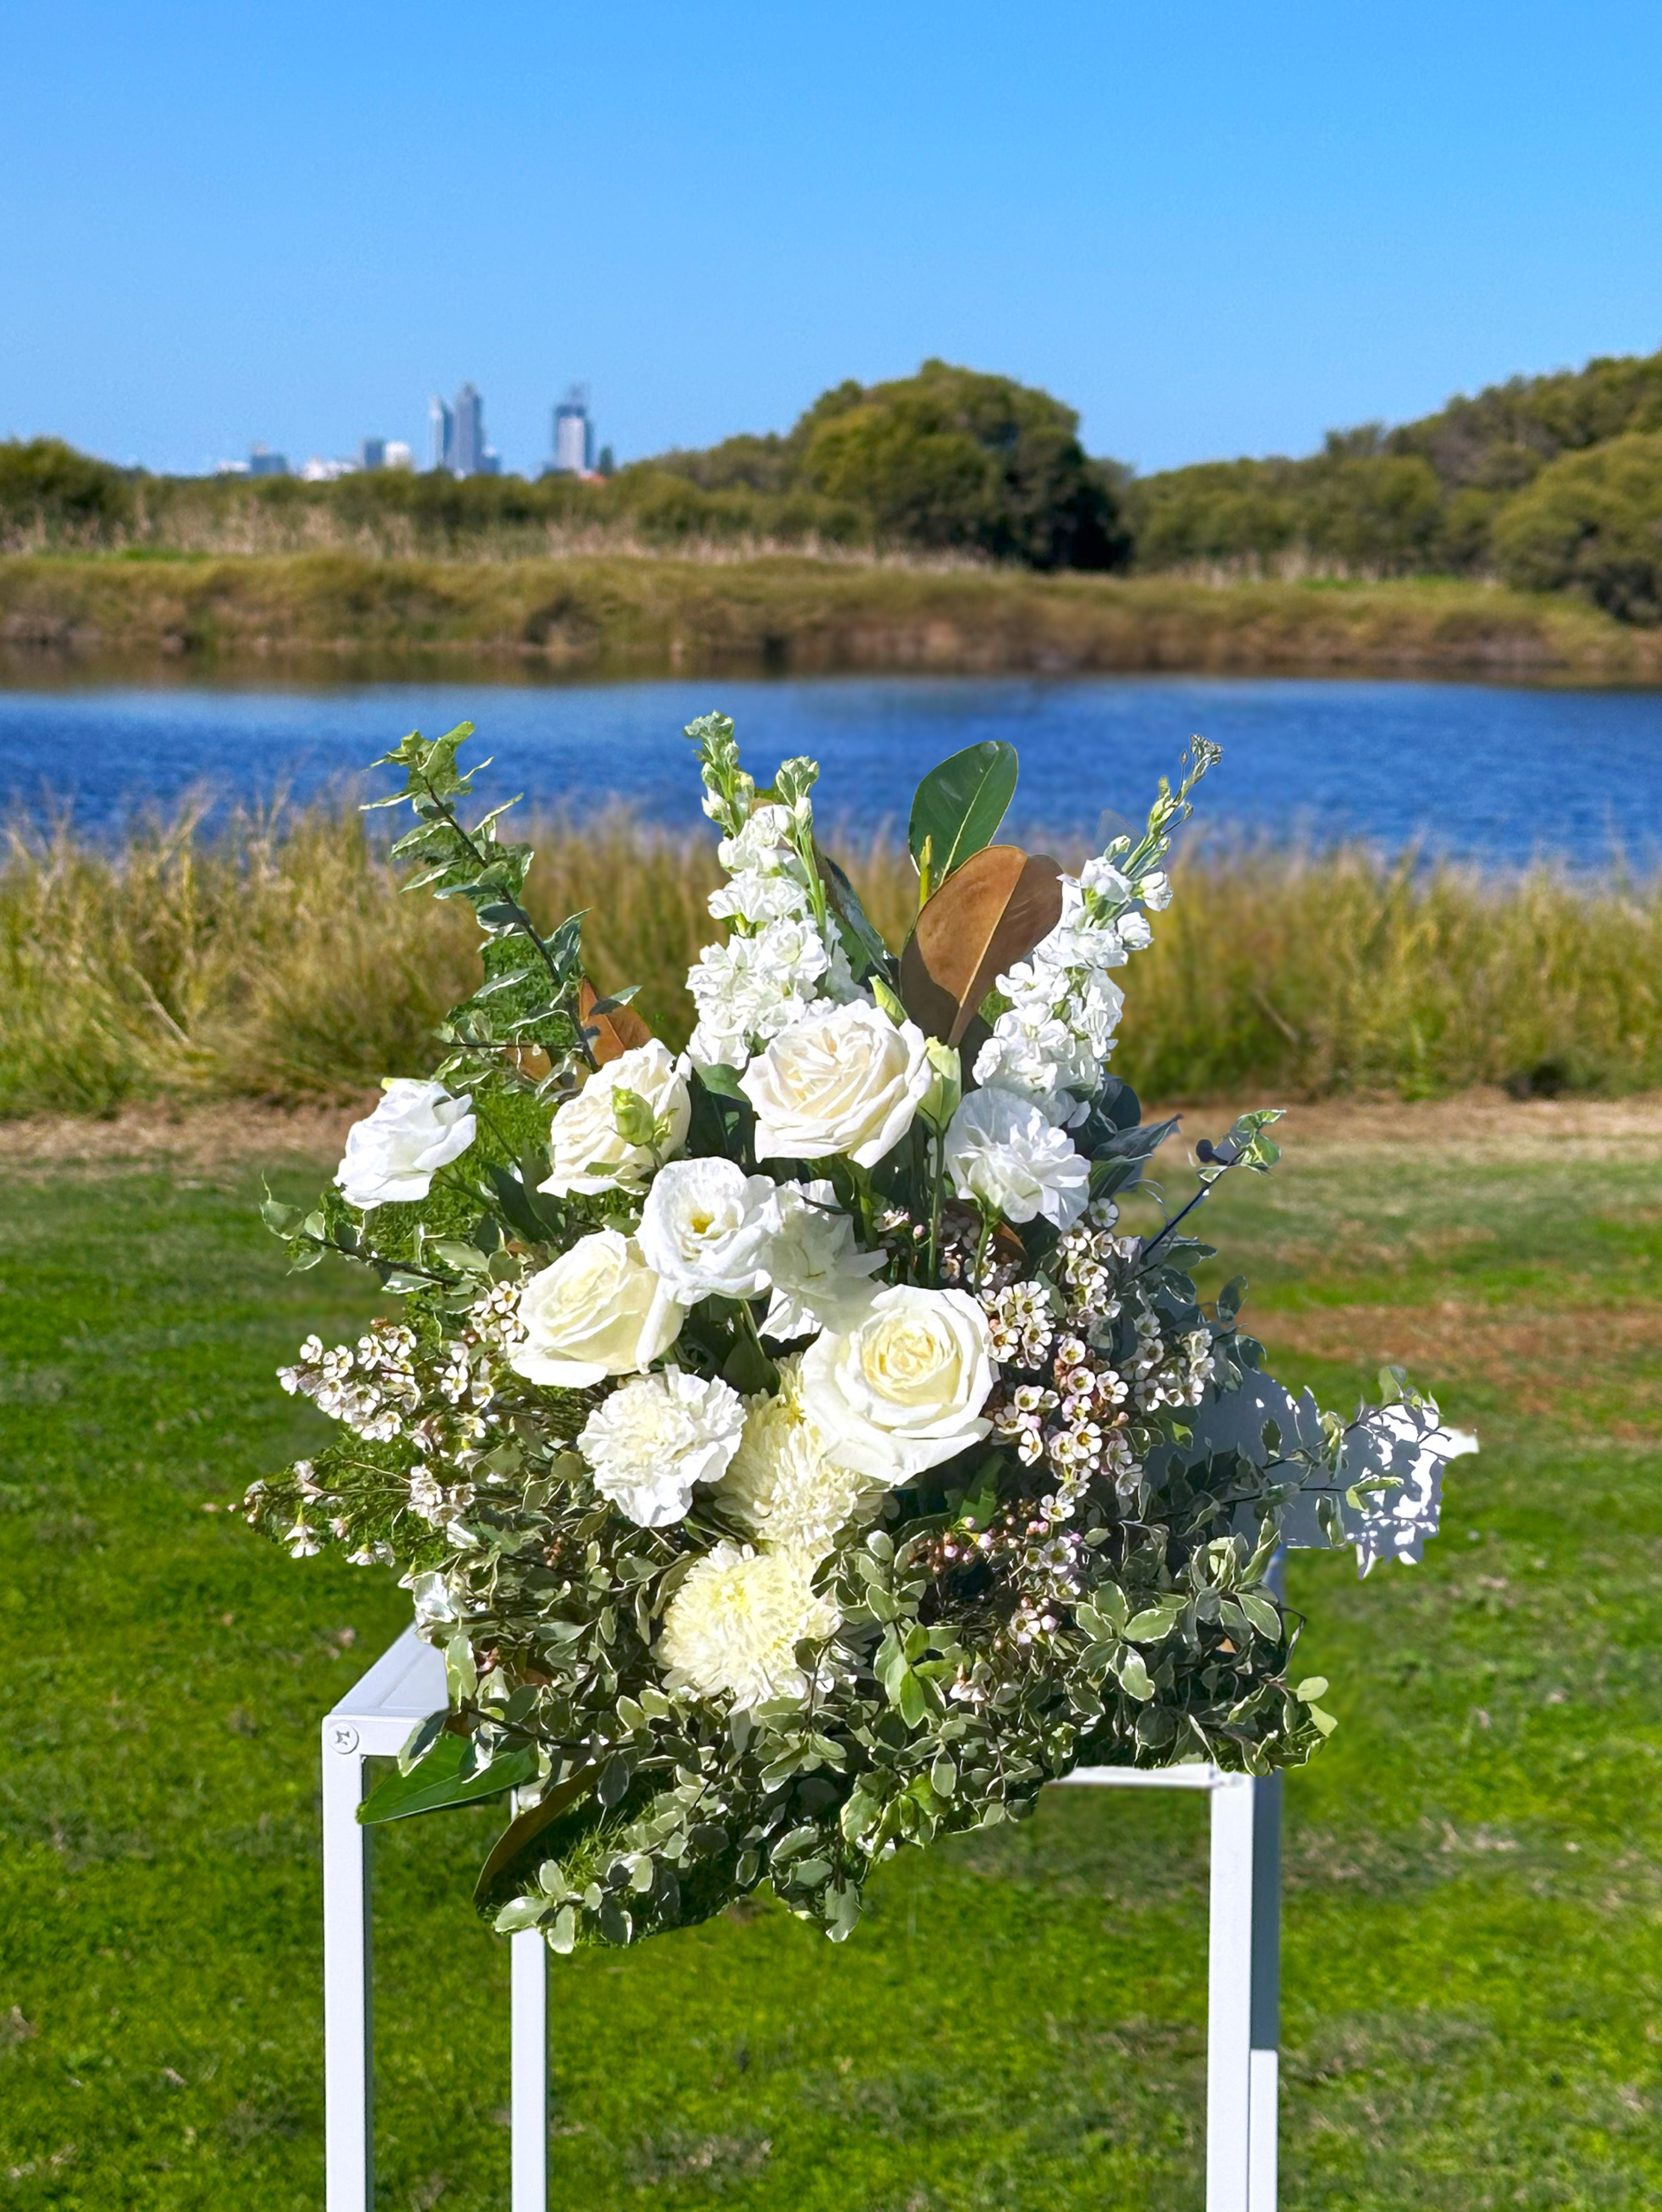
[[1592, 522], [51, 495], [957, 808], [952, 460]]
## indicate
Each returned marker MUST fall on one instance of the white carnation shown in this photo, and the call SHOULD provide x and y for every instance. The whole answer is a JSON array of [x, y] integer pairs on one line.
[[821, 1277], [392, 1157], [1001, 1152], [903, 1389], [732, 1627], [706, 1229], [654, 1438], [586, 1150], [844, 1079], [781, 1484]]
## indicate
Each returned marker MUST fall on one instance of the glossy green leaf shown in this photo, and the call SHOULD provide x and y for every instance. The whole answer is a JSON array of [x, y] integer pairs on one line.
[[438, 1782], [958, 806]]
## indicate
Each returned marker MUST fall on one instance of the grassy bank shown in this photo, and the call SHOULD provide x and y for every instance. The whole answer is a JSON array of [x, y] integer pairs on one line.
[[792, 613], [276, 960], [1472, 1972]]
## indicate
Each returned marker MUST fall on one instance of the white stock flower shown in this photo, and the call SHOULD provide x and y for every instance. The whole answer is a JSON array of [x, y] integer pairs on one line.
[[599, 1310], [764, 842], [903, 1389], [1155, 889], [706, 1227], [652, 1440], [1102, 877], [1135, 933], [755, 898], [845, 1079], [780, 1484], [732, 1627], [392, 1157], [754, 987], [586, 1150], [1002, 1151], [819, 1274]]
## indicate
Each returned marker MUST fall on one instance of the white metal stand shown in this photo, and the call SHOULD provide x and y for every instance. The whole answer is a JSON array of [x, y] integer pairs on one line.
[[407, 1682]]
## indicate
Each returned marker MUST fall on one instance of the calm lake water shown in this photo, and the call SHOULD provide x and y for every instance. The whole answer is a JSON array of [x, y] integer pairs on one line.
[[1497, 774]]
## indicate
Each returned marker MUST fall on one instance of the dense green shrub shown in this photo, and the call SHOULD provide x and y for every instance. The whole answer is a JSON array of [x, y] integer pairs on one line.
[[1592, 522]]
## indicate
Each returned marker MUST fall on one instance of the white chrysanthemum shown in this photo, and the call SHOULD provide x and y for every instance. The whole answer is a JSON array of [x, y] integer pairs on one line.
[[732, 1628], [651, 1440], [787, 1493], [1003, 1153]]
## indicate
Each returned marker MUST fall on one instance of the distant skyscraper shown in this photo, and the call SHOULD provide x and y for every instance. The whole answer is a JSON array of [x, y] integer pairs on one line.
[[372, 452], [443, 425], [458, 436], [573, 434], [263, 462]]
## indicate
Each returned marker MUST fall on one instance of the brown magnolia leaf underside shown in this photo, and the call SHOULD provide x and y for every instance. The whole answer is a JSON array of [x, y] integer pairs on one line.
[[985, 917], [610, 1035]]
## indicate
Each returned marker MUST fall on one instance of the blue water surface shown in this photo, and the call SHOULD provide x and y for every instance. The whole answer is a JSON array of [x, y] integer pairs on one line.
[[1475, 771]]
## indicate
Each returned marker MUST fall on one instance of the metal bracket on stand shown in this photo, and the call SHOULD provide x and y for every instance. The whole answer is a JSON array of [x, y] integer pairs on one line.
[[373, 1720]]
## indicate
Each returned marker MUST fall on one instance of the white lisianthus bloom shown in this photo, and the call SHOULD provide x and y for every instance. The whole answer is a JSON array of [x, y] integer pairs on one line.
[[587, 1151], [903, 1389], [392, 1157], [845, 1079], [654, 1438], [821, 1277], [707, 1228], [599, 1310], [780, 1484], [732, 1628], [1002, 1153]]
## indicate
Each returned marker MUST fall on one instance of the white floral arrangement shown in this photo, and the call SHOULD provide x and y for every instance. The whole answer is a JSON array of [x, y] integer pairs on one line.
[[786, 1443]]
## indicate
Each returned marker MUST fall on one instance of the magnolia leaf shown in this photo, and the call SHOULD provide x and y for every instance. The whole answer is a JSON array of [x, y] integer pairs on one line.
[[507, 1865], [438, 1781], [998, 906], [612, 1034], [958, 807]]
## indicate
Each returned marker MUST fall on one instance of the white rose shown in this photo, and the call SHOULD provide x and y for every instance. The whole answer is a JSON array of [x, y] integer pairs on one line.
[[706, 1227], [903, 1390], [1001, 1152], [649, 1442], [846, 1080], [586, 1150], [392, 1158], [821, 1277], [732, 1627], [599, 1310]]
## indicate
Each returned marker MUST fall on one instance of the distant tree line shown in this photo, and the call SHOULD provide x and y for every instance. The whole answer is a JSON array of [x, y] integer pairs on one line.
[[1551, 483]]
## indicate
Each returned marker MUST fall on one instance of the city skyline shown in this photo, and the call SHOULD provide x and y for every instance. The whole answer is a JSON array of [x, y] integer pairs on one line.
[[1212, 233]]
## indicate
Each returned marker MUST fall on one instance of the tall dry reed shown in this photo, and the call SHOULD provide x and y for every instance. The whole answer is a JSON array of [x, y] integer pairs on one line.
[[274, 957]]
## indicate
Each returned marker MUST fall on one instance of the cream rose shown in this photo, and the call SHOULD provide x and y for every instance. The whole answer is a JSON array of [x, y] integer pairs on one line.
[[845, 1079], [587, 1151], [902, 1390], [599, 1310]]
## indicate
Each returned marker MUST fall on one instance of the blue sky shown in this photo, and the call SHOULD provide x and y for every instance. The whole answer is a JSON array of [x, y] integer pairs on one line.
[[1214, 229]]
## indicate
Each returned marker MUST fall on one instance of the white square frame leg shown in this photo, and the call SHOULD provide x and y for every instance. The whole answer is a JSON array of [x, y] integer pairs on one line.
[[406, 1683]]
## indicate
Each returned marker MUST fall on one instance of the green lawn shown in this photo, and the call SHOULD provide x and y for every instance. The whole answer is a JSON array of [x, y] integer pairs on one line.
[[1473, 1969]]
